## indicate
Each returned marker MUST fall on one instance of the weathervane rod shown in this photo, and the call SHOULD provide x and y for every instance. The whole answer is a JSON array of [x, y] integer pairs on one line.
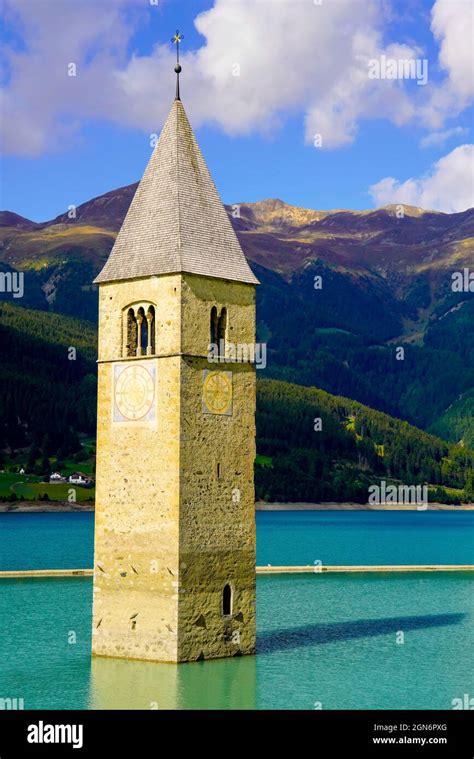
[[176, 39]]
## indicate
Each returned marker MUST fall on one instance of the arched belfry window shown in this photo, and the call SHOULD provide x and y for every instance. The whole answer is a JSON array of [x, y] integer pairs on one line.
[[219, 328], [150, 318], [222, 327], [131, 334], [142, 329], [139, 330], [227, 601], [214, 321]]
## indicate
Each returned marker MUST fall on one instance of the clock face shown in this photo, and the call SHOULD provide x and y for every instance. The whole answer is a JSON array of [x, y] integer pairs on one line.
[[134, 392], [217, 392]]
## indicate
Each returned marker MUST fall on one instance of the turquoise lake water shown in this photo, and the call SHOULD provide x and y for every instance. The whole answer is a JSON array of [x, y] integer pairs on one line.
[[57, 541], [326, 641]]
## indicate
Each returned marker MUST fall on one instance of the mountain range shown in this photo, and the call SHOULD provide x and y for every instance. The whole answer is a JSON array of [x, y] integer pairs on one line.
[[357, 303]]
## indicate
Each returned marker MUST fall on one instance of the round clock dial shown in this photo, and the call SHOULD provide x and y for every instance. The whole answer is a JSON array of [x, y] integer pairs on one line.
[[217, 392], [134, 392]]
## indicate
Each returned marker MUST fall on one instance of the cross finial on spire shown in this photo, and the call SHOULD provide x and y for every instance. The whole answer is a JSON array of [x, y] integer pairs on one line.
[[176, 39]]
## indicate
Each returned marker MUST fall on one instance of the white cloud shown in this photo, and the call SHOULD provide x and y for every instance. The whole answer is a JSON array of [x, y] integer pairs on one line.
[[291, 56], [354, 96], [435, 139], [452, 24], [41, 105], [262, 60], [296, 56], [448, 186]]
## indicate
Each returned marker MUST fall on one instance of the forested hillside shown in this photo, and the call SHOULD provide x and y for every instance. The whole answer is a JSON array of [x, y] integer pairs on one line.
[[47, 390], [48, 400], [343, 338], [352, 447]]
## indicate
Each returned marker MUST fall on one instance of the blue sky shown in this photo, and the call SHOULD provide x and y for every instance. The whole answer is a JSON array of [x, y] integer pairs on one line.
[[381, 141]]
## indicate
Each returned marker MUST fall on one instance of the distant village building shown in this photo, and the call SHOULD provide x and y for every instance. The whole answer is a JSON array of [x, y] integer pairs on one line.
[[56, 477], [78, 478]]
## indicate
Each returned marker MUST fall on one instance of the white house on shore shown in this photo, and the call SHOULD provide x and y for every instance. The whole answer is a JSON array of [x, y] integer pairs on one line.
[[78, 478], [56, 477]]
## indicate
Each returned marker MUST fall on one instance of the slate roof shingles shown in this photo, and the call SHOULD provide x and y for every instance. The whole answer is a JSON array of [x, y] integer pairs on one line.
[[176, 221]]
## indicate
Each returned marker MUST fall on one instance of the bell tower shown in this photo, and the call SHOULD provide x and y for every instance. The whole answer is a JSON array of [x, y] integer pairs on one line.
[[174, 563]]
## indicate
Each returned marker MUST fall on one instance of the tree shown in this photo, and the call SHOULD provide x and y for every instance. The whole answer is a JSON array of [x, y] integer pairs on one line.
[[46, 445], [469, 486], [45, 467], [33, 456]]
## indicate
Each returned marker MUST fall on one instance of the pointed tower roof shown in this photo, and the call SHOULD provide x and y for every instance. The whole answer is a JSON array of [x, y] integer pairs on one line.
[[176, 221]]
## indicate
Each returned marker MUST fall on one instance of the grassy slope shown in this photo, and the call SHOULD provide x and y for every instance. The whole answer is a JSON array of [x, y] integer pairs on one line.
[[41, 248]]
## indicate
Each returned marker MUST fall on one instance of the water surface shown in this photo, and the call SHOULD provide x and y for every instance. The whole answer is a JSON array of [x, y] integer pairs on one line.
[[57, 541], [328, 640], [342, 641]]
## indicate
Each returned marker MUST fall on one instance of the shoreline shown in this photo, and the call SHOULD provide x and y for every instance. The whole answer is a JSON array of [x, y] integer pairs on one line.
[[45, 507], [11, 574], [348, 506], [61, 507]]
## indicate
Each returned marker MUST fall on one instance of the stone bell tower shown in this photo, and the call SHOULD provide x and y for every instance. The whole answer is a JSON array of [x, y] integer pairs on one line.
[[174, 564]]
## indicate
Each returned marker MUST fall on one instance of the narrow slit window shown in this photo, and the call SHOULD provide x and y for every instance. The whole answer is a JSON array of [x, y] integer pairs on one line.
[[227, 601], [213, 325], [221, 331]]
